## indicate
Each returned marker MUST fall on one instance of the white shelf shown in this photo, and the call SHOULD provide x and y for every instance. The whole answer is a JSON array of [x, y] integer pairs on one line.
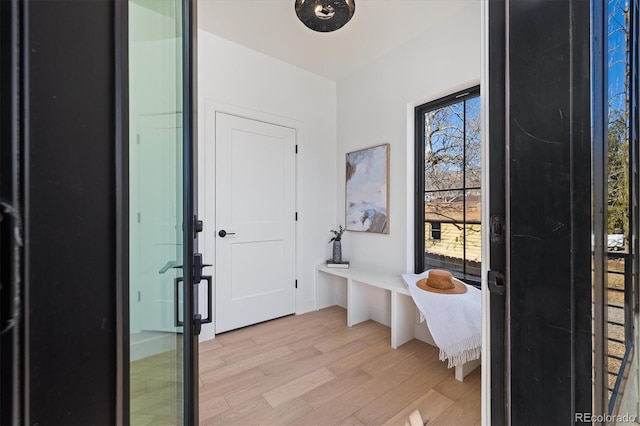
[[380, 279]]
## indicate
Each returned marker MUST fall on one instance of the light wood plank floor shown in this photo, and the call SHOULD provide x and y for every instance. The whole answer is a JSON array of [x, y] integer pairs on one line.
[[314, 370], [156, 388]]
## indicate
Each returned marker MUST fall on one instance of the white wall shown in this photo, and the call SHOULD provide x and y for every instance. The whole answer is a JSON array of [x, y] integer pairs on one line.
[[240, 81], [375, 106]]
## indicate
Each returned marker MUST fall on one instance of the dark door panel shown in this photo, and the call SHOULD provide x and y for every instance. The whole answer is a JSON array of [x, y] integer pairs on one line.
[[546, 159]]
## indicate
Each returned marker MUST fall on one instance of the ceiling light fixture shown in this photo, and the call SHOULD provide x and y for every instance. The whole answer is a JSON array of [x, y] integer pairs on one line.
[[325, 15]]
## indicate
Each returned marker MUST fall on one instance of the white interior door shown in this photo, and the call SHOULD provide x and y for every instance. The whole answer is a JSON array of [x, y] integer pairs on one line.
[[158, 221], [255, 206]]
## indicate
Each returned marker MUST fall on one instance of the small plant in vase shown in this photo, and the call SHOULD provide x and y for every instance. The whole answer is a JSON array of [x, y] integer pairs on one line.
[[337, 244]]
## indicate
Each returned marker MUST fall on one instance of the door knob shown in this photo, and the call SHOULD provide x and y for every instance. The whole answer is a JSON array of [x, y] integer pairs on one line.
[[224, 233]]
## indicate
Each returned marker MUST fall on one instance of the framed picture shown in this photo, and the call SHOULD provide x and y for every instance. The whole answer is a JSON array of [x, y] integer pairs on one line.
[[367, 190]]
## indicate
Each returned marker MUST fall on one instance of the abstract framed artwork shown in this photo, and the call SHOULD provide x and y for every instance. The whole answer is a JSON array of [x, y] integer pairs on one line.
[[367, 190]]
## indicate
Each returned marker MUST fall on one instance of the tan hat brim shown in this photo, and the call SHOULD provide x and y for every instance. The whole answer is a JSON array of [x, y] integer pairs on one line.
[[458, 287]]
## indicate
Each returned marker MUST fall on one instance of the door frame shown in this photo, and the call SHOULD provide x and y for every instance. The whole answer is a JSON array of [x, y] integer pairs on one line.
[[547, 249], [190, 201], [59, 132], [121, 23], [67, 192], [493, 254]]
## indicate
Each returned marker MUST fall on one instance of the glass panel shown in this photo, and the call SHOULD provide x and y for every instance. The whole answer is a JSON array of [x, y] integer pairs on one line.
[[614, 312], [618, 127], [472, 141], [446, 208], [444, 148], [155, 122]]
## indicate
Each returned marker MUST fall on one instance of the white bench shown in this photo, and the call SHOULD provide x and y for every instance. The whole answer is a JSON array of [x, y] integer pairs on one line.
[[403, 309]]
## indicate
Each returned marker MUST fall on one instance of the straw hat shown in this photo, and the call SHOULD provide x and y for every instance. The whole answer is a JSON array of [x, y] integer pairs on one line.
[[439, 281]]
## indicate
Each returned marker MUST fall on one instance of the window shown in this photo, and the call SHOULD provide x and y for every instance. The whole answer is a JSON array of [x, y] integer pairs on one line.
[[436, 228], [616, 292], [447, 227]]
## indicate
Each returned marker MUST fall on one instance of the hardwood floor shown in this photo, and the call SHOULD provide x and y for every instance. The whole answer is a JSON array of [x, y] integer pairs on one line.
[[314, 370], [156, 388]]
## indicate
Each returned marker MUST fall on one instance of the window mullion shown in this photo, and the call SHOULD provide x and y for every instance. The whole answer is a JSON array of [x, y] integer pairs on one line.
[[464, 185]]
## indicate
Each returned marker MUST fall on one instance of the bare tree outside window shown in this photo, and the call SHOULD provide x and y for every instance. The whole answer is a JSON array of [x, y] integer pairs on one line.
[[444, 148], [618, 116], [451, 146], [618, 280]]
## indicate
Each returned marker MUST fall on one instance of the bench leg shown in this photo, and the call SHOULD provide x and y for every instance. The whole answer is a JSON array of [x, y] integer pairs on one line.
[[402, 319], [357, 302], [465, 369]]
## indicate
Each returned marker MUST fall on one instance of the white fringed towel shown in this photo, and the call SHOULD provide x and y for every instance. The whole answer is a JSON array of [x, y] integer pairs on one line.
[[454, 320]]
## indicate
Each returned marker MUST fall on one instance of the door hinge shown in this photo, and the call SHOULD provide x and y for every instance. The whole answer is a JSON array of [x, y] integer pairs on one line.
[[497, 229], [296, 216], [137, 138], [296, 283], [296, 148], [139, 217], [198, 226], [139, 296]]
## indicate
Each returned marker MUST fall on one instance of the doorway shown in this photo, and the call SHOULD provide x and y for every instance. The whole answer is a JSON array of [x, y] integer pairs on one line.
[[332, 116]]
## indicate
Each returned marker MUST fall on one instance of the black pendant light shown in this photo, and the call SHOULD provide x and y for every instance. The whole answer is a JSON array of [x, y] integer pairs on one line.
[[325, 15]]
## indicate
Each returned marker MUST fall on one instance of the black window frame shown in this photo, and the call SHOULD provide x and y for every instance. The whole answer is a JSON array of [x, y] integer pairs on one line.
[[419, 187]]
